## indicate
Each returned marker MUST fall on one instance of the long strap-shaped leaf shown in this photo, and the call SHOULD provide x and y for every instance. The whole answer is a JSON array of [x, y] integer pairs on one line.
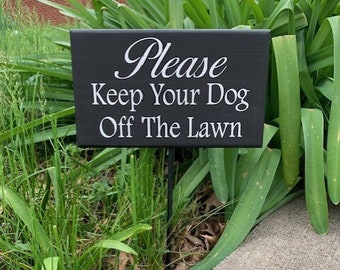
[[214, 14], [154, 9], [176, 13], [247, 162], [30, 220], [88, 259], [247, 210], [266, 6], [218, 173], [258, 13], [230, 163], [305, 78], [193, 176], [197, 11], [327, 9], [232, 8], [47, 118], [289, 105], [315, 189], [333, 141], [283, 5]]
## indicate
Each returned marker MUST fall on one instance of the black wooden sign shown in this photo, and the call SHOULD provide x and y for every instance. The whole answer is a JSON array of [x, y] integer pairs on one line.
[[170, 87]]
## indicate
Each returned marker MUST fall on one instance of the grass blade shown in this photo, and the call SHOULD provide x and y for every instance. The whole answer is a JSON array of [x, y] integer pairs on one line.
[[285, 50], [315, 189]]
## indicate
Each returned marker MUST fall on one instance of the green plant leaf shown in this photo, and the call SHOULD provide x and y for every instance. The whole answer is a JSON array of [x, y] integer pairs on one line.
[[285, 50], [91, 254], [58, 189], [233, 11], [320, 59], [327, 9], [246, 211], [214, 14], [198, 13], [278, 191], [306, 81], [154, 9], [282, 6], [190, 181], [259, 17], [61, 73], [230, 164], [315, 188], [117, 245], [133, 18], [247, 162], [35, 123], [266, 6], [321, 39], [325, 86], [333, 141], [50, 263], [313, 23], [130, 232], [28, 217], [176, 13], [218, 173], [295, 21], [49, 134]]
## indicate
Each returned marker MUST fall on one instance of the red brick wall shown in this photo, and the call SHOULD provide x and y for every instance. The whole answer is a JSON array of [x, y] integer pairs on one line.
[[47, 13]]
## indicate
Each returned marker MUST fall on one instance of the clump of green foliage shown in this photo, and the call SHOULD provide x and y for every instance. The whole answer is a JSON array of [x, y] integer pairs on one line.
[[300, 134]]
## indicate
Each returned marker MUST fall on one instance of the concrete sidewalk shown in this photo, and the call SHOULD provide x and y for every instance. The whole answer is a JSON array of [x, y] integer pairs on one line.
[[286, 240]]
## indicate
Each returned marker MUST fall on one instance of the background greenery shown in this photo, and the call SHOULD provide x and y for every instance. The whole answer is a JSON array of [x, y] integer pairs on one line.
[[69, 208]]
